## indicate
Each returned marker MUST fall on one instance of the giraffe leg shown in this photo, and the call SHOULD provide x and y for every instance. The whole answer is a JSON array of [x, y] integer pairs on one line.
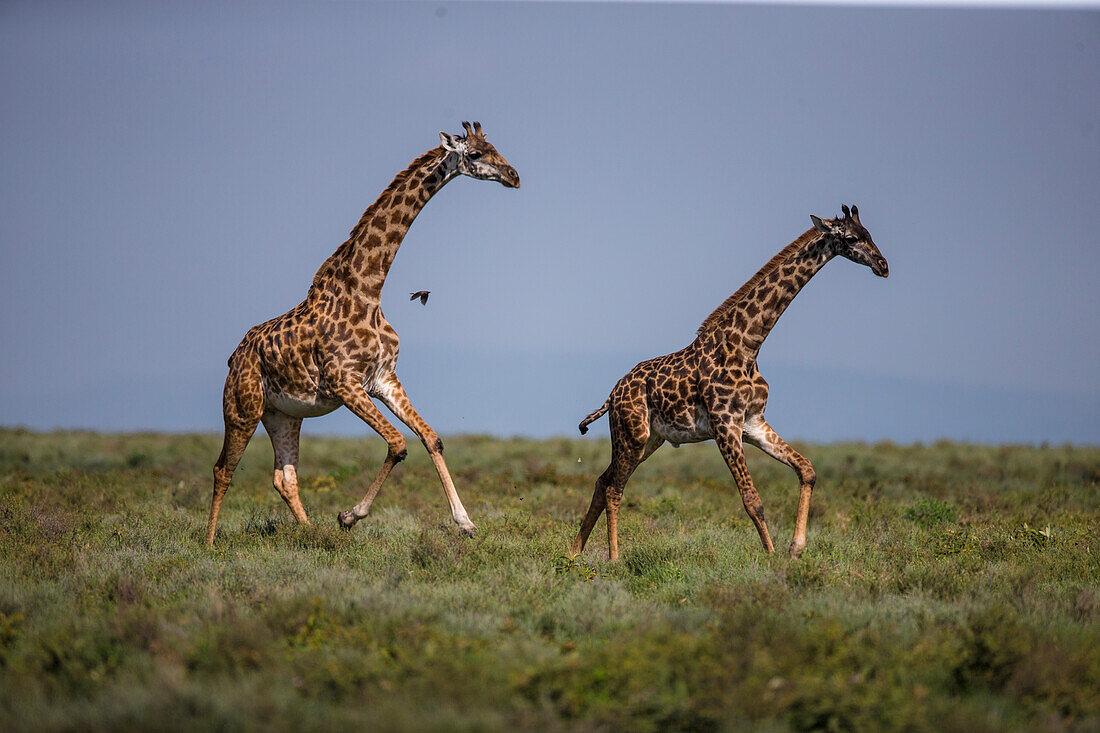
[[651, 445], [595, 509], [284, 431], [622, 466], [393, 395], [357, 400], [599, 497], [395, 453], [760, 434], [613, 501], [630, 445], [727, 434], [242, 405]]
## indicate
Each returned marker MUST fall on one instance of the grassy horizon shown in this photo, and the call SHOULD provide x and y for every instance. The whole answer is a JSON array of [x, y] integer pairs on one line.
[[944, 587]]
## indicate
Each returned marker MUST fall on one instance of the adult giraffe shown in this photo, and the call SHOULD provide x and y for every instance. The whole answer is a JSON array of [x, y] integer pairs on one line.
[[336, 348], [711, 389]]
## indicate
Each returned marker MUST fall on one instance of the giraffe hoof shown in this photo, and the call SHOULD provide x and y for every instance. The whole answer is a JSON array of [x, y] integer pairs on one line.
[[467, 530], [796, 550], [347, 519]]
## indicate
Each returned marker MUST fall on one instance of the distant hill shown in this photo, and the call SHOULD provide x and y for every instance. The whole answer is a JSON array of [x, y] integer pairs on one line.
[[545, 395]]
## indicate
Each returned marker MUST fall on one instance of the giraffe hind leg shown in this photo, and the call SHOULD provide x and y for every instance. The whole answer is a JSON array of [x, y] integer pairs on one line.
[[595, 509], [630, 445], [242, 405], [284, 432], [599, 496], [622, 466], [655, 441]]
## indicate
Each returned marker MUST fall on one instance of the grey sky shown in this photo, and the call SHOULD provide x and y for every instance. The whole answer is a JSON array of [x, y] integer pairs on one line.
[[173, 173]]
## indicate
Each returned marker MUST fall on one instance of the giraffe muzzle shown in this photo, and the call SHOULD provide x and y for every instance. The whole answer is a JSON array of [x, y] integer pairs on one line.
[[880, 267]]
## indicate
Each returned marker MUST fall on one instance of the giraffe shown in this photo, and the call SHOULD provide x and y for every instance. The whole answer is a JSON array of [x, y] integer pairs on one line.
[[336, 348], [712, 389]]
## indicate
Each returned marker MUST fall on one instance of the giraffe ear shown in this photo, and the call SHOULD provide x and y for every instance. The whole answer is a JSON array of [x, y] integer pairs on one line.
[[819, 225], [451, 143]]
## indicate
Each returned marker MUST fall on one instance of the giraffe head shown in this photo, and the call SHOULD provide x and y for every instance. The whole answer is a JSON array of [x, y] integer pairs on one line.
[[849, 238], [477, 158]]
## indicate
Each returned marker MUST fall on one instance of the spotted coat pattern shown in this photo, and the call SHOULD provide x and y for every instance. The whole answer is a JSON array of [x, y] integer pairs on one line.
[[336, 348], [712, 389]]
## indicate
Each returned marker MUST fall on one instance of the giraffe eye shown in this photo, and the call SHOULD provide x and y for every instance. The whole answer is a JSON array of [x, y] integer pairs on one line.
[[474, 155]]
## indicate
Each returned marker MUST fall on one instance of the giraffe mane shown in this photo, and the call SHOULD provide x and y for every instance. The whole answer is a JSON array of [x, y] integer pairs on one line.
[[718, 315], [399, 179], [331, 264]]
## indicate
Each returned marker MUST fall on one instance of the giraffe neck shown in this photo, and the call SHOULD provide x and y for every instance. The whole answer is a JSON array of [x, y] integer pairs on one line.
[[360, 264], [757, 306]]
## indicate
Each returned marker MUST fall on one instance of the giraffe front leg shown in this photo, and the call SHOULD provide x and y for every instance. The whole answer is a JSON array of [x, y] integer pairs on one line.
[[395, 453], [760, 434], [358, 401], [727, 434], [394, 397]]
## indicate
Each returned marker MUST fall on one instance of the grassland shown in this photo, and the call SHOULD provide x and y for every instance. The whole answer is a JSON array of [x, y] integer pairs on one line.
[[945, 587]]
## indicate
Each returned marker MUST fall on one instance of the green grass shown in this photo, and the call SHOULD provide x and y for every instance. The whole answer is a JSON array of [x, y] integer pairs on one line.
[[945, 587]]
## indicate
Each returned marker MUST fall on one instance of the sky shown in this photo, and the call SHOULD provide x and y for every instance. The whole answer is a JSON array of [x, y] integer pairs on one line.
[[173, 173]]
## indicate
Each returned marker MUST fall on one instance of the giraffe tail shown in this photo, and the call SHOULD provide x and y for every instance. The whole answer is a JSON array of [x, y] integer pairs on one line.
[[583, 427]]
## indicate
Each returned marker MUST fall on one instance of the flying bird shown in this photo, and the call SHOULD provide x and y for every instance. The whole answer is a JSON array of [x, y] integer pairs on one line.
[[422, 294]]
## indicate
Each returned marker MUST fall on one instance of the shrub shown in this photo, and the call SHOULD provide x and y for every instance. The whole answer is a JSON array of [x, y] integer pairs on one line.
[[929, 511]]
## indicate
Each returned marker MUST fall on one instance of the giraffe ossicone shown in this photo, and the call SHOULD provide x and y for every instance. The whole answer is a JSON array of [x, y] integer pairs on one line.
[[335, 348], [712, 389]]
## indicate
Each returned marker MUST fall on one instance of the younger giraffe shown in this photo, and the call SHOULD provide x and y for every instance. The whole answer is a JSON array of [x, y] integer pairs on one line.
[[712, 388], [336, 348]]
